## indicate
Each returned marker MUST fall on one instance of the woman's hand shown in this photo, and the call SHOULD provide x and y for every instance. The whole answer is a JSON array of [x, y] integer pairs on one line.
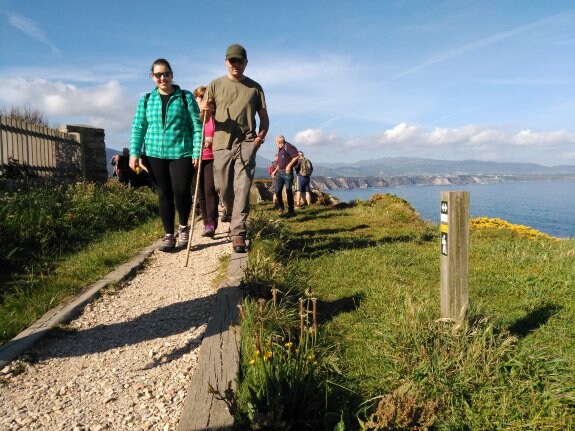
[[142, 165], [136, 163]]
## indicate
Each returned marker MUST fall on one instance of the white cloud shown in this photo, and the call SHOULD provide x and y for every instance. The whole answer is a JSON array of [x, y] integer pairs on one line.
[[105, 105], [478, 44], [29, 27], [400, 133], [467, 142], [315, 138], [548, 140]]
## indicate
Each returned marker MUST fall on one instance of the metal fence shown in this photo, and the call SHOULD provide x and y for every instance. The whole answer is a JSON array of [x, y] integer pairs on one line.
[[37, 150]]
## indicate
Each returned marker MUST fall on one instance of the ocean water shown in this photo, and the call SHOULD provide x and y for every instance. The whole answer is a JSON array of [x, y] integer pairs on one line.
[[546, 206]]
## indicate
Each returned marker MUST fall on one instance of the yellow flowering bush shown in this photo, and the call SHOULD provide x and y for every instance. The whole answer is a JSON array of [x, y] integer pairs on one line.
[[497, 223]]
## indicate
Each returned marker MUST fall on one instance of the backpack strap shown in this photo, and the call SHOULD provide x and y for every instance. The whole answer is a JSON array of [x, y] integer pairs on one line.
[[146, 101], [185, 102]]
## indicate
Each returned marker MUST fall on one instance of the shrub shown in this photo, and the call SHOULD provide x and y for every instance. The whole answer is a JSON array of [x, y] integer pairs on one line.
[[40, 224], [281, 387], [25, 114]]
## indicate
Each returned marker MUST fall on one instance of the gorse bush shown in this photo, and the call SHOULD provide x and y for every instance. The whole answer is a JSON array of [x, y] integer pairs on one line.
[[496, 223]]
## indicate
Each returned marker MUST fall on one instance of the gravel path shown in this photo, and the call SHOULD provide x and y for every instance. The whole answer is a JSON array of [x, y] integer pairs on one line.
[[127, 361]]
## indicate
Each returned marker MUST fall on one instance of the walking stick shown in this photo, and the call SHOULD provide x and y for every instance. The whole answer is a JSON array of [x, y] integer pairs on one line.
[[196, 193]]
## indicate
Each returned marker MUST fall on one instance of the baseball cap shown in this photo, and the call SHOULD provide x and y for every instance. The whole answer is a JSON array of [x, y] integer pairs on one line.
[[236, 51]]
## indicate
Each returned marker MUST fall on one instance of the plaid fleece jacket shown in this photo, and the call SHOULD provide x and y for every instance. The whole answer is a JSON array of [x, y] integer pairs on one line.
[[179, 137]]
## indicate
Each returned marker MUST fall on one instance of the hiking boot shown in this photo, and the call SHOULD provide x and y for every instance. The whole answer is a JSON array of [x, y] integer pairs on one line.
[[225, 218], [239, 244], [209, 231], [280, 212], [183, 236], [290, 214], [168, 243]]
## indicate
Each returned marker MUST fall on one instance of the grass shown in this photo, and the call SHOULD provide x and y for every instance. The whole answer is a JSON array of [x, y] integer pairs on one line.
[[388, 361], [58, 240], [70, 275]]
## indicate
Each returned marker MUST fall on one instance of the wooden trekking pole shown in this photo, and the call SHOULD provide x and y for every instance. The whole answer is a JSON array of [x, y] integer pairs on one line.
[[196, 193]]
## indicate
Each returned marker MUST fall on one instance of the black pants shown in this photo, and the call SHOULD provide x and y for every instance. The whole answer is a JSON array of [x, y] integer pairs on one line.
[[208, 195], [172, 180]]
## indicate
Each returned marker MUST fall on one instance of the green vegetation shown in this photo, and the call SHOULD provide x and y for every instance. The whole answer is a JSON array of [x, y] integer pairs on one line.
[[56, 240], [340, 327], [382, 357], [26, 113]]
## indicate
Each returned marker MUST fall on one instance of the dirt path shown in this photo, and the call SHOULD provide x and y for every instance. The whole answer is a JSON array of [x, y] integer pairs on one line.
[[126, 362]]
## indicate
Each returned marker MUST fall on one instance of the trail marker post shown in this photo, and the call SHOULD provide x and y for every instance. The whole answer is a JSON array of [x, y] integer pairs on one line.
[[454, 254]]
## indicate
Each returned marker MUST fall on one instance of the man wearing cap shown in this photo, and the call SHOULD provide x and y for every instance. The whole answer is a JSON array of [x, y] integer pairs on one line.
[[234, 100]]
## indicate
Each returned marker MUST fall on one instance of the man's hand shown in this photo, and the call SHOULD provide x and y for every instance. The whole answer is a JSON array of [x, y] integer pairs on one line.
[[206, 108]]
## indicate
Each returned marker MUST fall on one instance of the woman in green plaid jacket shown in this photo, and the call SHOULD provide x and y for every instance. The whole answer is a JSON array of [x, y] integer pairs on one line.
[[165, 141]]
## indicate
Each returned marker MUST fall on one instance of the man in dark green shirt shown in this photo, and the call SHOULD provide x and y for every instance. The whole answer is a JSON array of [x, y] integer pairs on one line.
[[234, 100]]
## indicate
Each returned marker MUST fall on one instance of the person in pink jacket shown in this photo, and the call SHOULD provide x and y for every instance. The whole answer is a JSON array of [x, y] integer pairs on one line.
[[208, 196]]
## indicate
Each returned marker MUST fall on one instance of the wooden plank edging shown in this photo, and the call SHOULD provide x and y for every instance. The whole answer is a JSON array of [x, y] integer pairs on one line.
[[213, 385], [67, 311]]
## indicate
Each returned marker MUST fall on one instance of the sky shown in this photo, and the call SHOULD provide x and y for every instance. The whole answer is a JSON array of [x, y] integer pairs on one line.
[[344, 81]]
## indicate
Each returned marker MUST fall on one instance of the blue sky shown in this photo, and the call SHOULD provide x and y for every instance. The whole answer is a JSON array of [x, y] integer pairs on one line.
[[344, 81]]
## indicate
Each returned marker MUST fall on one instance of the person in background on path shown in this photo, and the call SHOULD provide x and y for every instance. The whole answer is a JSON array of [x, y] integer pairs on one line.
[[167, 131], [208, 196], [287, 157], [304, 168], [272, 171], [234, 100], [121, 163]]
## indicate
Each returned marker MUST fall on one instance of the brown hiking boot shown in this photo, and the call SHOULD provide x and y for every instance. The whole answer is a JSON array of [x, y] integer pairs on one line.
[[239, 244]]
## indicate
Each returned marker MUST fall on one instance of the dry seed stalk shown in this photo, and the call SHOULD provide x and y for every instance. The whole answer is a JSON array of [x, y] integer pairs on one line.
[[314, 315]]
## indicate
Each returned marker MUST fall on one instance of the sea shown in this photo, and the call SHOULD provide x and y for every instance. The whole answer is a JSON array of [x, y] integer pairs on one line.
[[548, 207]]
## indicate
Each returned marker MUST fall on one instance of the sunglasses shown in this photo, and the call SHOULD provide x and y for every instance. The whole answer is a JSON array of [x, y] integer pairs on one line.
[[235, 61], [158, 75]]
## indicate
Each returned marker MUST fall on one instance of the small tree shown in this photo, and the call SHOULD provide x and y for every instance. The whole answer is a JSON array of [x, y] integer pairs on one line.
[[25, 114]]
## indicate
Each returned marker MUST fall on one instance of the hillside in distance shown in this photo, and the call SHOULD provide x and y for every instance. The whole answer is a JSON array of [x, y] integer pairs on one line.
[[402, 166]]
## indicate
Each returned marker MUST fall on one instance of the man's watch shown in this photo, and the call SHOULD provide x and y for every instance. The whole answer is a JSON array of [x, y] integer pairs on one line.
[[262, 138]]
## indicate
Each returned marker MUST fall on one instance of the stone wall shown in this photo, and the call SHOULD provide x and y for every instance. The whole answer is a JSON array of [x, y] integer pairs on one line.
[[93, 151]]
